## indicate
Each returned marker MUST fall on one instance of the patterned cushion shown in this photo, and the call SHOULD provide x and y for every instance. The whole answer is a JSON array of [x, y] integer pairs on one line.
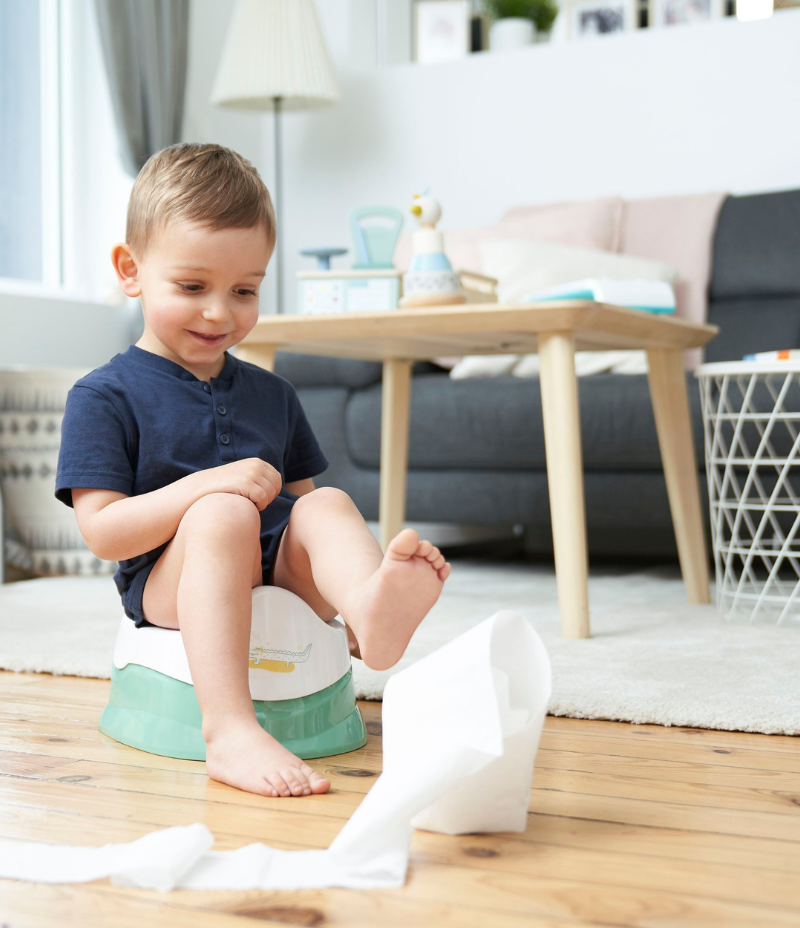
[[41, 536]]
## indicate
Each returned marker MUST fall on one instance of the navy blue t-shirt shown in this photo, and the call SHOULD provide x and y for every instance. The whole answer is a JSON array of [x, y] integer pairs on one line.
[[141, 422]]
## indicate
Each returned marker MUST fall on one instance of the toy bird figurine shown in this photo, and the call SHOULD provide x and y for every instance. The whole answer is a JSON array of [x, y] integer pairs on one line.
[[430, 279]]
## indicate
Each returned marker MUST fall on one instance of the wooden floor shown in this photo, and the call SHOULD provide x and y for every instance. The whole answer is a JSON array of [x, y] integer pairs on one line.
[[629, 825]]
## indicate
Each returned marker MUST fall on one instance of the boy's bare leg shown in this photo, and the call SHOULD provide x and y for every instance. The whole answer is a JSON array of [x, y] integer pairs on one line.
[[330, 558], [202, 584]]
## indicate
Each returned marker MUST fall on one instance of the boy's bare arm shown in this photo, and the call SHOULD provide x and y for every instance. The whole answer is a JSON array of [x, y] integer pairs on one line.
[[117, 527]]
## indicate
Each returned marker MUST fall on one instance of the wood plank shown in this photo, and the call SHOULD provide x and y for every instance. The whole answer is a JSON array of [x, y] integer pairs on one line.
[[493, 895], [498, 852], [333, 806], [675, 733], [711, 847], [710, 796], [658, 750], [628, 826], [507, 853], [683, 816], [197, 786], [668, 770], [96, 905], [34, 739]]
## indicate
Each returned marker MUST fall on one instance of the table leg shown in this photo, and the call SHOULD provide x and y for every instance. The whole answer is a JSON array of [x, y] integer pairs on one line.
[[394, 447], [263, 355], [562, 436], [673, 424]]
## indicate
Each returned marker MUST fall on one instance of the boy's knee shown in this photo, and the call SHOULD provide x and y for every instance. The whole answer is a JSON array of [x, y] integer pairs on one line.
[[223, 513], [323, 496]]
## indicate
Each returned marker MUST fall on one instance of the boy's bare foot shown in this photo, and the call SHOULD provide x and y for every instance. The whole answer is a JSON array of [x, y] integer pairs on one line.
[[387, 607], [244, 755]]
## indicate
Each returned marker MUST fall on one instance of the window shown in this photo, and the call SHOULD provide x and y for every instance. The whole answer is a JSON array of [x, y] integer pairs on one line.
[[63, 190], [21, 162]]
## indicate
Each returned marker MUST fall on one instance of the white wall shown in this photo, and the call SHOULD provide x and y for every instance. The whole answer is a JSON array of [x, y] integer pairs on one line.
[[686, 109]]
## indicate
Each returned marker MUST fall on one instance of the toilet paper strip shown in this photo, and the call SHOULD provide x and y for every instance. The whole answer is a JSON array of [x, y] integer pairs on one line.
[[460, 732]]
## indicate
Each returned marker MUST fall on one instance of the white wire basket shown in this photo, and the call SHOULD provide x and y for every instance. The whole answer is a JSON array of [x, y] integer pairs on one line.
[[751, 421]]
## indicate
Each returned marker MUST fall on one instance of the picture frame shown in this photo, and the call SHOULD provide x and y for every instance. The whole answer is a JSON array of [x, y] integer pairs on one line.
[[442, 30], [683, 12], [588, 19]]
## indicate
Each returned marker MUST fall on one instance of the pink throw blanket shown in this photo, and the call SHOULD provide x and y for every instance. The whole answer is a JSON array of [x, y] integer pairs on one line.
[[680, 232]]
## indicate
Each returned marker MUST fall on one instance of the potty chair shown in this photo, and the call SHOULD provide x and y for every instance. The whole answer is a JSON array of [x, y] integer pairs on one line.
[[300, 682]]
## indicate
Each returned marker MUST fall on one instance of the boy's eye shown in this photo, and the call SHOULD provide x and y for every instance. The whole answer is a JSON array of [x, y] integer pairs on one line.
[[193, 288]]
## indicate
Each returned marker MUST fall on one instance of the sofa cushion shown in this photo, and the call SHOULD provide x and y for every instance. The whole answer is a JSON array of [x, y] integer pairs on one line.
[[311, 370], [496, 424], [680, 231], [754, 324], [586, 224], [524, 267], [757, 247]]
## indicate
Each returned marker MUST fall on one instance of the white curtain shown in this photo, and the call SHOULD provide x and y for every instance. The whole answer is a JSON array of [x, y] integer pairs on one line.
[[145, 50]]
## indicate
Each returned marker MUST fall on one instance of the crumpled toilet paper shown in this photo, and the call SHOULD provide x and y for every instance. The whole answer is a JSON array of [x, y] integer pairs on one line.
[[460, 733]]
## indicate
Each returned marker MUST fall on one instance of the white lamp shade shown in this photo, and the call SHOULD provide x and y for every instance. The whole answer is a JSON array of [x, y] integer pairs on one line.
[[275, 48]]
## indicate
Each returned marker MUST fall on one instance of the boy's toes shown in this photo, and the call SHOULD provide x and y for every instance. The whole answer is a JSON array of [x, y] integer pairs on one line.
[[443, 572], [403, 545], [279, 784], [317, 782], [424, 549], [295, 783], [433, 554], [439, 562], [269, 789]]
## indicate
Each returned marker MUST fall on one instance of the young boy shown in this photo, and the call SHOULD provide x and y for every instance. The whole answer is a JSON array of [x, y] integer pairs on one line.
[[194, 469]]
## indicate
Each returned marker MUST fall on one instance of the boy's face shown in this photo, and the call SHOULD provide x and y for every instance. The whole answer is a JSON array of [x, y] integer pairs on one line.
[[195, 282]]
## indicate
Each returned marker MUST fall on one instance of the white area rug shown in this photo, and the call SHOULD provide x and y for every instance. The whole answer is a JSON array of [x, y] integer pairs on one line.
[[652, 658]]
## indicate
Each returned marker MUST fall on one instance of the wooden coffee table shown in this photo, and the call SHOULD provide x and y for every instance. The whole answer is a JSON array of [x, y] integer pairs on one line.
[[556, 330]]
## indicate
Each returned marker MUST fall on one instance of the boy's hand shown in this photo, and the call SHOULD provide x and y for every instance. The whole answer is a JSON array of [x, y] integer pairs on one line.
[[250, 477]]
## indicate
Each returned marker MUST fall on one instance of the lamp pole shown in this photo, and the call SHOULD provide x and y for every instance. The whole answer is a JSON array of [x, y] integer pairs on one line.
[[278, 214]]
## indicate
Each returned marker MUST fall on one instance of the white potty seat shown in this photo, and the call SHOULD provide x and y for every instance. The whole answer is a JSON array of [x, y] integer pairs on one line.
[[300, 682]]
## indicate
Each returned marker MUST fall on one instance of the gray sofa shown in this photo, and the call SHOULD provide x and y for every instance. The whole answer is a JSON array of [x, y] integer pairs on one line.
[[476, 450]]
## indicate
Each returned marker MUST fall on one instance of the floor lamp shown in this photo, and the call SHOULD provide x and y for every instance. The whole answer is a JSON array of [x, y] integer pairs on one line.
[[275, 59]]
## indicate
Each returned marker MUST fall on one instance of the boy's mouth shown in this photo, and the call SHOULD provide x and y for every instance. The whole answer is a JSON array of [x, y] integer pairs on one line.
[[208, 340]]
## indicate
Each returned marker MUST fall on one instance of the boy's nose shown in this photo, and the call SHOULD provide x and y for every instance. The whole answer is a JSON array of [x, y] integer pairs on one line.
[[216, 309]]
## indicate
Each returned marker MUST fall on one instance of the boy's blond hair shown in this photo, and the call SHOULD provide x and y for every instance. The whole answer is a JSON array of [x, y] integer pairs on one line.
[[200, 183]]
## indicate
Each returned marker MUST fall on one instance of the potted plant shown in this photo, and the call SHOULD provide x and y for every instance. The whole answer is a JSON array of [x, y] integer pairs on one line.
[[516, 22]]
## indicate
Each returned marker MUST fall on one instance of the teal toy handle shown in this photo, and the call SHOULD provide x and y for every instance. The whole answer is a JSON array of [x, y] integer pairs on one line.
[[375, 230]]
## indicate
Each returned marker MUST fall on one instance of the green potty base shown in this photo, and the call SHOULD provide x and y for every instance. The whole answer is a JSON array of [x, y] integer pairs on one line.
[[155, 713]]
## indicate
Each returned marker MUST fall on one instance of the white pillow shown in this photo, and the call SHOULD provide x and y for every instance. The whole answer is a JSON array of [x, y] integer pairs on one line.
[[527, 365], [522, 267], [590, 362], [484, 365]]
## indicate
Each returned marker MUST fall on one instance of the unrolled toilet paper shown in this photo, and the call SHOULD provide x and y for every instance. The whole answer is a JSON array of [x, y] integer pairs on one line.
[[460, 733]]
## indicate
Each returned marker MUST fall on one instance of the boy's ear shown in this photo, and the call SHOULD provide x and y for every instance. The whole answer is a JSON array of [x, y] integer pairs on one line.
[[127, 271]]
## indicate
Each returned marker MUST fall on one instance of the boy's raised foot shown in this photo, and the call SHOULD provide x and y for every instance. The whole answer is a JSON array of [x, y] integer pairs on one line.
[[385, 610]]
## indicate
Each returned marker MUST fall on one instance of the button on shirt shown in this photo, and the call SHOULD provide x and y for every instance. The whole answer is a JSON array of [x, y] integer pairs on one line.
[[141, 422]]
